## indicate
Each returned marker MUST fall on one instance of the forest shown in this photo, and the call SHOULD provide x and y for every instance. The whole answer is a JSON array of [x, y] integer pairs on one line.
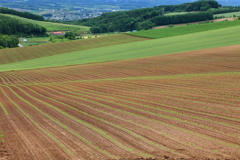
[[12, 26], [202, 5], [28, 15]]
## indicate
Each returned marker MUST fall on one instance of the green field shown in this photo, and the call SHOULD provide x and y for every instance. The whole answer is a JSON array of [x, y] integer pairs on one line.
[[53, 26], [33, 52], [227, 15], [182, 30], [209, 39]]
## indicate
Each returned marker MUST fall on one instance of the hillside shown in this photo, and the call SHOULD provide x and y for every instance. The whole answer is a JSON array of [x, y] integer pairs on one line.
[[33, 52], [208, 39], [14, 26], [180, 105], [51, 26], [146, 18], [185, 29], [170, 93]]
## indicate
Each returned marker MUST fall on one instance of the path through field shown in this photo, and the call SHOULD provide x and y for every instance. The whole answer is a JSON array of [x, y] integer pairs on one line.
[[180, 106]]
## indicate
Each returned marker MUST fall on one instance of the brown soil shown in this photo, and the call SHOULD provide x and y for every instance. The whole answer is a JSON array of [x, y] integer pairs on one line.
[[176, 106]]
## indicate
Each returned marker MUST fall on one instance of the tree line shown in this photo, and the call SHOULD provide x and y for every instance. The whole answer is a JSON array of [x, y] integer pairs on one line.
[[182, 18], [21, 14], [225, 10], [201, 5], [12, 26]]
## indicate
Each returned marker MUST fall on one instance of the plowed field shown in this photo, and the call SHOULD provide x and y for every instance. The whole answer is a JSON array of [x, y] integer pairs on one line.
[[182, 105]]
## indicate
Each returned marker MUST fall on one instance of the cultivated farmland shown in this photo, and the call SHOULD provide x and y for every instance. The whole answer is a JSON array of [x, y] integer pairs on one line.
[[34, 52], [178, 105], [143, 48], [187, 29]]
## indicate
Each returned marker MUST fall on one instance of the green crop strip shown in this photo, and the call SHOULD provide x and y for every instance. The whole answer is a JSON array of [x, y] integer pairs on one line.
[[37, 125], [82, 122], [158, 114], [4, 109], [1, 137], [147, 106], [110, 123]]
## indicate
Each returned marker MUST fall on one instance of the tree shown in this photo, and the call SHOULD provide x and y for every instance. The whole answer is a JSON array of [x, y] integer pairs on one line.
[[205, 7], [145, 25], [70, 35]]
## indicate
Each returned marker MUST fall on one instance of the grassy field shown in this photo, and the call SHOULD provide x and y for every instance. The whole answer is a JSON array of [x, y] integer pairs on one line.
[[227, 15], [32, 52], [209, 39], [182, 30], [53, 26]]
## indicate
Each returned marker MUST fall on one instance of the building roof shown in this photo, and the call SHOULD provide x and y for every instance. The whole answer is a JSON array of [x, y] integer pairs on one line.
[[57, 33]]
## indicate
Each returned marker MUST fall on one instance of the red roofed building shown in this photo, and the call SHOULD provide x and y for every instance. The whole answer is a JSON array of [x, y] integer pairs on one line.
[[58, 33]]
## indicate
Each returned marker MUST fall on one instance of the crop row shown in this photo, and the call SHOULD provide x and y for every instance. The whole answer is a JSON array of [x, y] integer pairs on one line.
[[54, 94], [132, 116], [165, 116], [81, 95], [83, 123], [203, 62]]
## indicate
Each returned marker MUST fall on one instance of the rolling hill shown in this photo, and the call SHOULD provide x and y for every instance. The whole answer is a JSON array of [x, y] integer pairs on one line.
[[208, 39], [51, 26], [147, 107], [124, 97], [33, 52]]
